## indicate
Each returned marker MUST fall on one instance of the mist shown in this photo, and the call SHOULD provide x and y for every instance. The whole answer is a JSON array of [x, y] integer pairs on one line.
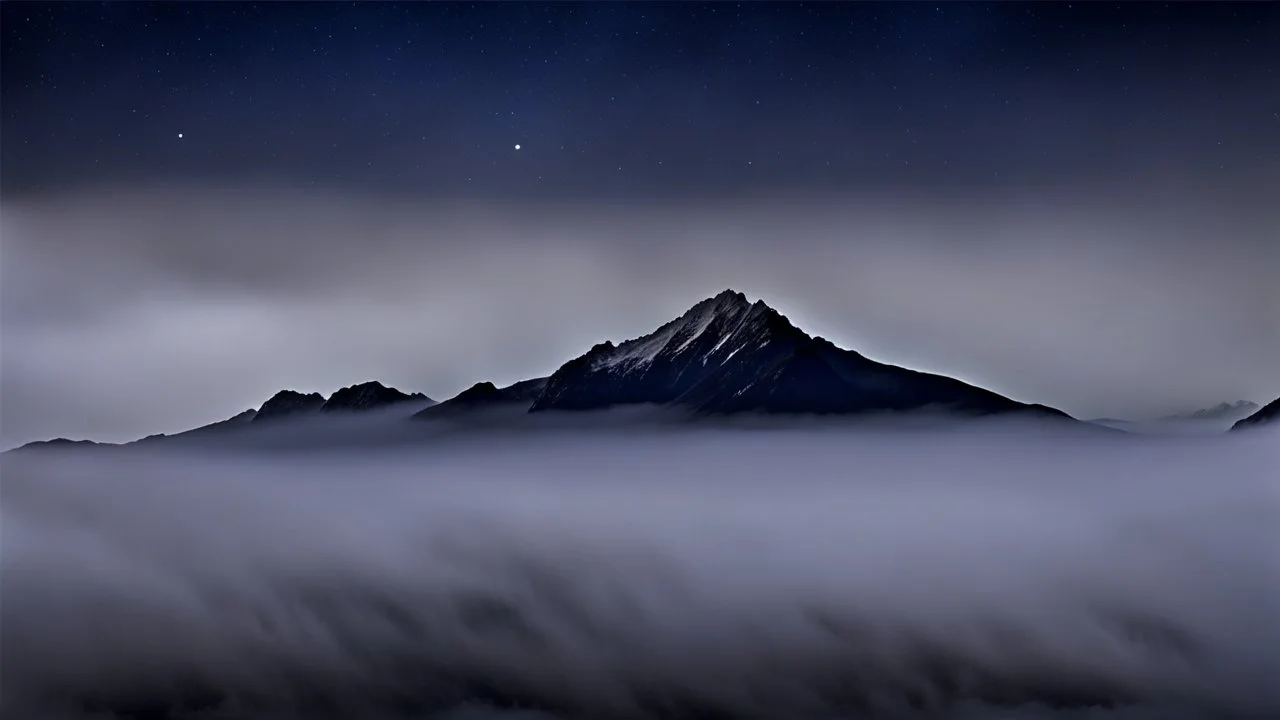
[[132, 312], [985, 571]]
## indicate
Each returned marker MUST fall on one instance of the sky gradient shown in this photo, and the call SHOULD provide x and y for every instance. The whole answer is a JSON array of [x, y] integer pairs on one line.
[[632, 100], [1070, 203]]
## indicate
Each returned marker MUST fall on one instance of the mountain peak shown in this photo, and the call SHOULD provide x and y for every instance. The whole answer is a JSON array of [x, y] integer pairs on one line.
[[727, 299], [705, 327], [367, 396], [726, 354], [288, 402], [669, 360]]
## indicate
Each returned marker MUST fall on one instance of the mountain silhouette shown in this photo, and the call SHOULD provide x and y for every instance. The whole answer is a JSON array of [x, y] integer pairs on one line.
[[367, 396], [286, 403], [726, 355], [235, 421], [486, 396], [60, 443], [1268, 414]]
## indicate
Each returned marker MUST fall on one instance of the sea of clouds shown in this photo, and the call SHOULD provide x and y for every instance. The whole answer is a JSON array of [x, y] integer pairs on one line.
[[986, 572]]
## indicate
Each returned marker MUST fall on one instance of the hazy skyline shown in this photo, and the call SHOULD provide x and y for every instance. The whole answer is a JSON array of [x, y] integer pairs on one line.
[[1071, 204], [112, 330]]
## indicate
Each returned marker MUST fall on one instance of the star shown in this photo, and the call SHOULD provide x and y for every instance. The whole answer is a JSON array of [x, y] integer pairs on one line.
[[517, 144], [180, 137]]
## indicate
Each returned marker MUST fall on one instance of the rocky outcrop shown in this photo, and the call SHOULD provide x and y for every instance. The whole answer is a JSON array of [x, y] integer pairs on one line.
[[368, 396], [288, 403]]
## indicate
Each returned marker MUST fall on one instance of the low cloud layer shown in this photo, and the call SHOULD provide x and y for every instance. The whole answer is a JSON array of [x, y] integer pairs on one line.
[[967, 573], [130, 313]]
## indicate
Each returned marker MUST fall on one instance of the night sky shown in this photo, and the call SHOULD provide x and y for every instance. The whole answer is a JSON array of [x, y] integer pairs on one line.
[[637, 100], [1071, 203]]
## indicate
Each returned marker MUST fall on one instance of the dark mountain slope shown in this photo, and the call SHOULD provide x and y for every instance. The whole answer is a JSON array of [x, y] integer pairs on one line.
[[288, 402], [1268, 414], [487, 396], [726, 355], [234, 422], [368, 396]]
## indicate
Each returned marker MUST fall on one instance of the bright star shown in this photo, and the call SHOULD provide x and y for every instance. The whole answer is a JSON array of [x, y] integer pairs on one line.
[[180, 136], [517, 145]]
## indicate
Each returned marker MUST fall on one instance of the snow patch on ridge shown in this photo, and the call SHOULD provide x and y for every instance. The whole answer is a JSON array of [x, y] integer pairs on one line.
[[642, 351]]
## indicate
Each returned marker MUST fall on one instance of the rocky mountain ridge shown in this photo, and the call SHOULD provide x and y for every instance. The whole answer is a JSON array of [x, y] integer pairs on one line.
[[724, 356]]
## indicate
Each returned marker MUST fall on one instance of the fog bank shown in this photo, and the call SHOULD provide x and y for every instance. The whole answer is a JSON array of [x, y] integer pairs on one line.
[[710, 574]]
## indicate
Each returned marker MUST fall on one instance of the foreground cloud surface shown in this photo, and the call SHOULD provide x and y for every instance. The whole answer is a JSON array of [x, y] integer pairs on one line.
[[986, 571]]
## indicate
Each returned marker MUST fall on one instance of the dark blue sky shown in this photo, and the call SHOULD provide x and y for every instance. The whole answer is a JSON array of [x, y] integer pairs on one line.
[[637, 100]]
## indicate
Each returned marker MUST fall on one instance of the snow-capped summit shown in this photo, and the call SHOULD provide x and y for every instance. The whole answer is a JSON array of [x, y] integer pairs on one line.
[[719, 317], [660, 367], [726, 354]]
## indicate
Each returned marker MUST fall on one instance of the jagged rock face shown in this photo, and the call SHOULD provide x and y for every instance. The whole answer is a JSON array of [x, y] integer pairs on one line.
[[367, 396], [673, 360], [727, 355], [486, 395], [289, 402], [1268, 414]]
